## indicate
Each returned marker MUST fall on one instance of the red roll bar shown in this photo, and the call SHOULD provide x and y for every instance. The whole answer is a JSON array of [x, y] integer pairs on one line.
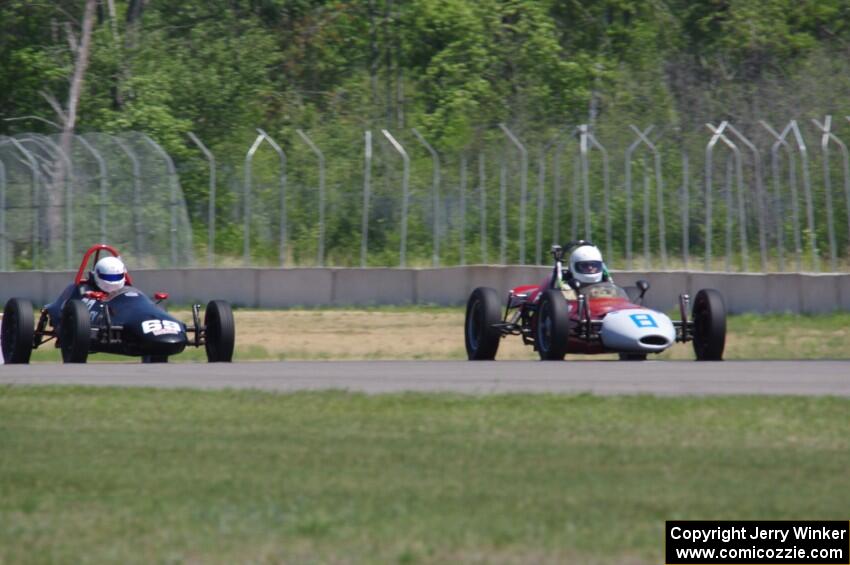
[[95, 250]]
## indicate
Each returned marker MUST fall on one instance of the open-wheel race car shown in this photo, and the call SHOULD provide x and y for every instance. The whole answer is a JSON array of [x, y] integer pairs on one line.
[[85, 319], [561, 316]]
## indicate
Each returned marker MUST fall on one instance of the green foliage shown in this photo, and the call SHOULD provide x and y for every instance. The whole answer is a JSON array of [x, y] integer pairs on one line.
[[452, 68]]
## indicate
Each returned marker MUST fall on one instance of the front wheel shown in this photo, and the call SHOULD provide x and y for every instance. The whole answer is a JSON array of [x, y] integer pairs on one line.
[[220, 332], [75, 332], [553, 326], [482, 313], [632, 356], [17, 333], [155, 359], [709, 316]]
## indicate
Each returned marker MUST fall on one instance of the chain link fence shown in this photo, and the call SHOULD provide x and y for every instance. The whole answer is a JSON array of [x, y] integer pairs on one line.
[[750, 197], [55, 203]]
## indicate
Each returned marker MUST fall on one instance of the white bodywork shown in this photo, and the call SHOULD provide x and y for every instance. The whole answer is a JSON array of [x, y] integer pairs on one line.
[[637, 330]]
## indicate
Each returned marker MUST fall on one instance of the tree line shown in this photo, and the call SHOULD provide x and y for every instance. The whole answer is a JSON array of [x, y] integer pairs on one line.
[[453, 69]]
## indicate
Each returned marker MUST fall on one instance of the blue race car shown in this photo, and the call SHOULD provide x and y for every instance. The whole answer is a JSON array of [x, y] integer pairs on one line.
[[84, 319]]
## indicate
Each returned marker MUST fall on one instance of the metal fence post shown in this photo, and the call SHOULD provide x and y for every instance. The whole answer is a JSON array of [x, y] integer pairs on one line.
[[807, 188], [589, 140], [742, 214], [281, 154], [709, 154], [686, 192], [462, 190], [246, 204], [51, 148], [628, 183], [321, 157], [138, 242], [104, 183], [541, 180], [482, 195], [762, 213], [827, 186], [556, 191], [792, 185], [34, 196], [728, 190], [647, 248], [503, 209], [211, 209], [405, 187], [435, 197], [367, 186], [523, 188], [585, 175], [659, 191], [172, 175], [3, 237], [541, 188], [577, 167]]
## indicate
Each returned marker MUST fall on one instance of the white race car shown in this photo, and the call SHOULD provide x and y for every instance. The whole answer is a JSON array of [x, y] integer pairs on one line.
[[597, 318]]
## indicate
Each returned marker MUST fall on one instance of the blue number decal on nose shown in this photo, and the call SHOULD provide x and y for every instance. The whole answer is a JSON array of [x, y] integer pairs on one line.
[[643, 321]]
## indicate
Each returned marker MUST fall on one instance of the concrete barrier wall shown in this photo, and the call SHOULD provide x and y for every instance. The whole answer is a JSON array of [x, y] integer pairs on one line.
[[276, 288]]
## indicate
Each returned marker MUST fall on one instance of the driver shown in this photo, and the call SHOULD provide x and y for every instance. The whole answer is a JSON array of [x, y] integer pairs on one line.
[[110, 275], [584, 267]]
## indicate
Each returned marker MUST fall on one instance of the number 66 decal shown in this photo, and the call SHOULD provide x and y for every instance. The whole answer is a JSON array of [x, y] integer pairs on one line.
[[160, 327]]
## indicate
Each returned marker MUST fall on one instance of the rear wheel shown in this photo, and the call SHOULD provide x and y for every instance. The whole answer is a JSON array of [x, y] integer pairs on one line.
[[709, 317], [17, 332], [553, 326], [220, 332], [75, 332], [482, 312]]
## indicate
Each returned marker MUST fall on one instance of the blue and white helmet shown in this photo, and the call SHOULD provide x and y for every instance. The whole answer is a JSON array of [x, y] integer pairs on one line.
[[110, 274]]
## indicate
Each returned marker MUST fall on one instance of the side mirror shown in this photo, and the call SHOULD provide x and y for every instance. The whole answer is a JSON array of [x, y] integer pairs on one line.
[[643, 286], [557, 252], [160, 296]]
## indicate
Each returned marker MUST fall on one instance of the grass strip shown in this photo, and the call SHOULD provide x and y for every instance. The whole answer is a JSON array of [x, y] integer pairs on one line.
[[140, 476]]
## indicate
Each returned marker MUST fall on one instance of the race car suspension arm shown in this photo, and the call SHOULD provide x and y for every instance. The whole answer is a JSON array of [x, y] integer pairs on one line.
[[42, 334], [586, 328], [198, 329], [685, 327], [112, 335]]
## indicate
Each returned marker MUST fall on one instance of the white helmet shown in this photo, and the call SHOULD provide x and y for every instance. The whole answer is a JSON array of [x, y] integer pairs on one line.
[[110, 274], [586, 264]]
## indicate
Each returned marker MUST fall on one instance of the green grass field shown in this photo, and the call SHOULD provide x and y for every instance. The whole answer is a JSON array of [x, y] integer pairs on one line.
[[148, 476]]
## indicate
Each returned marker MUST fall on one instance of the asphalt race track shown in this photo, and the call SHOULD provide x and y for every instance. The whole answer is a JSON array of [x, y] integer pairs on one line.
[[666, 378]]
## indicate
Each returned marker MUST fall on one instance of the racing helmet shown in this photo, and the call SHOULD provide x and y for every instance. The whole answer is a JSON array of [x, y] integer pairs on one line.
[[586, 264], [110, 274]]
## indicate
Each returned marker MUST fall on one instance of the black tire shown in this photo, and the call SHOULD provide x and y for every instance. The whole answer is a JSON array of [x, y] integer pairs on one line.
[[709, 316], [75, 332], [17, 331], [552, 326], [155, 359], [220, 332], [632, 356], [482, 312]]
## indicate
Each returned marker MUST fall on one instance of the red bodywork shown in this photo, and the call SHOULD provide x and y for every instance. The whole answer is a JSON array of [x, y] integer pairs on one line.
[[599, 308], [95, 250]]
